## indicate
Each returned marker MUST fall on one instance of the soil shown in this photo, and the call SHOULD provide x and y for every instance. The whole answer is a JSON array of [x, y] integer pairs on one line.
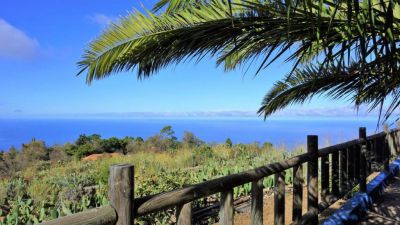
[[94, 157], [244, 218]]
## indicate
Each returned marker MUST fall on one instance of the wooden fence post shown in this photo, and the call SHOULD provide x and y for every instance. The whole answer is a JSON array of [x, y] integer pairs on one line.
[[357, 164], [363, 161], [312, 178], [386, 148], [324, 177], [226, 210], [371, 156], [184, 214], [335, 174], [279, 199], [350, 168], [386, 155], [298, 182], [121, 195], [343, 171], [257, 196]]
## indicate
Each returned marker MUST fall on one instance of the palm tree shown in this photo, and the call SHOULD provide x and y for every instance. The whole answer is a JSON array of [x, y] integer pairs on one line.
[[342, 48]]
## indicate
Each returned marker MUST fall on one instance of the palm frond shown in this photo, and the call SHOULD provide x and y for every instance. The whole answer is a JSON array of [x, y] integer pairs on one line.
[[342, 48], [369, 88]]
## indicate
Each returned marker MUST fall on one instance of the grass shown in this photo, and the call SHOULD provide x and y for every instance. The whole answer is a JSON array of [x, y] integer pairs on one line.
[[49, 190]]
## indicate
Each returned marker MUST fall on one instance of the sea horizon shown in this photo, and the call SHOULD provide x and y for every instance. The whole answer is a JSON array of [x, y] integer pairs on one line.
[[280, 131]]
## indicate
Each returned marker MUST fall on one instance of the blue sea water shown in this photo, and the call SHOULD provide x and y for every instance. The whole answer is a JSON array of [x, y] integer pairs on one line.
[[288, 132]]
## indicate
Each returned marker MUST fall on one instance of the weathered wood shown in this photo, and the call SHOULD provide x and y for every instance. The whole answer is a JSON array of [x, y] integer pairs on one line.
[[298, 182], [386, 148], [308, 218], [335, 174], [312, 177], [279, 199], [184, 214], [120, 193], [375, 136], [257, 196], [363, 160], [324, 177], [343, 171], [226, 210], [105, 215], [350, 168], [121, 185], [190, 193], [357, 164], [328, 201], [334, 148], [200, 214], [380, 149], [369, 155], [387, 156], [392, 139]]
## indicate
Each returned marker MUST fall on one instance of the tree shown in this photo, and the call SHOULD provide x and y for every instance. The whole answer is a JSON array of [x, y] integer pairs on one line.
[[12, 153], [135, 145], [30, 154], [168, 139], [34, 151], [114, 144], [190, 140], [267, 145], [344, 49], [93, 141], [139, 139], [167, 133], [82, 139], [228, 143], [84, 150], [58, 153]]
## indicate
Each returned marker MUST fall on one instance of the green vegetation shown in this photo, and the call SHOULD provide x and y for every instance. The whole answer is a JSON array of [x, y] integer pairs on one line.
[[340, 48], [42, 183]]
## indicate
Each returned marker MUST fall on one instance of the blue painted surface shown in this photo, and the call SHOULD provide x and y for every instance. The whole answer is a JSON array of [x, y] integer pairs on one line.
[[358, 206]]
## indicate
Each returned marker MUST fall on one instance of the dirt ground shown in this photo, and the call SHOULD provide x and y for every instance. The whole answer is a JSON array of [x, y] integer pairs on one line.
[[244, 218]]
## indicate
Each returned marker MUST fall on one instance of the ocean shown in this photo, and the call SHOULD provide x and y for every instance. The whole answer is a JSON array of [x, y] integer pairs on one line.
[[288, 132]]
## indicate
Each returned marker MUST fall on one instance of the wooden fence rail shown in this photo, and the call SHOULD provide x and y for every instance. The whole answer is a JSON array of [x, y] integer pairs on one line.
[[342, 167]]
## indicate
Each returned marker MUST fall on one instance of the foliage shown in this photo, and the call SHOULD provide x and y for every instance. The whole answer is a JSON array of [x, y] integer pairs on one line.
[[228, 142], [344, 49], [189, 140], [49, 189]]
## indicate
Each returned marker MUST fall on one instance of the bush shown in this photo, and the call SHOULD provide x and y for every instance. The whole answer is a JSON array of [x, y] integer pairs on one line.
[[58, 153], [83, 150]]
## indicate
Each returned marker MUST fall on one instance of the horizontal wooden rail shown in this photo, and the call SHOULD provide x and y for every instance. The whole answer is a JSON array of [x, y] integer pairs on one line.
[[105, 215], [187, 194], [343, 166], [334, 148]]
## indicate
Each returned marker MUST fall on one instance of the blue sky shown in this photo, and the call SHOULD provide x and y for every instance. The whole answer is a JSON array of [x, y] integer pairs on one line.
[[41, 41]]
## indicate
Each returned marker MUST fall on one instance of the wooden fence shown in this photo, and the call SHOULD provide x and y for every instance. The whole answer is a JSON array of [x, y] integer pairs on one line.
[[341, 167]]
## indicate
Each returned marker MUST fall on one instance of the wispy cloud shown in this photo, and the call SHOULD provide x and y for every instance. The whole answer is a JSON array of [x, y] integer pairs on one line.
[[232, 113], [15, 44], [335, 111], [101, 19], [340, 111]]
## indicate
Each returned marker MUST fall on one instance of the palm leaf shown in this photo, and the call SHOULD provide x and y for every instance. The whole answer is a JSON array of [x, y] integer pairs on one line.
[[340, 48]]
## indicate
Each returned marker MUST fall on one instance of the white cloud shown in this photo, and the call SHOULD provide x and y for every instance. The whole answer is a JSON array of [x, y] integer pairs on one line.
[[15, 44], [338, 111], [101, 19]]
